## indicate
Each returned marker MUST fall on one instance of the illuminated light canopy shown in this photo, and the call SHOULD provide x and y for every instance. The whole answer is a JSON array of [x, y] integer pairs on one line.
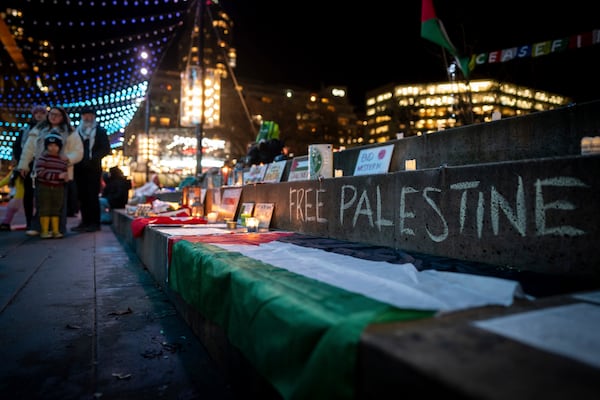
[[75, 61]]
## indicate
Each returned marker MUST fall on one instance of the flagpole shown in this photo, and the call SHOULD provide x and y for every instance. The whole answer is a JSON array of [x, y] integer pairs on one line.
[[432, 29]]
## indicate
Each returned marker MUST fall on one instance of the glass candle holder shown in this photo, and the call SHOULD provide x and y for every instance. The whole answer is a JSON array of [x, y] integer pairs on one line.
[[252, 224], [211, 217]]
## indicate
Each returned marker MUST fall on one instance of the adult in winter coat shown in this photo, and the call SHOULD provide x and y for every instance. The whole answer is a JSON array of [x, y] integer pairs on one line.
[[57, 122], [88, 171]]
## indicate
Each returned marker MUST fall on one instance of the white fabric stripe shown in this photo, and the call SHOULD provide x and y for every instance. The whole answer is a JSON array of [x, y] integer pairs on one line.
[[402, 286]]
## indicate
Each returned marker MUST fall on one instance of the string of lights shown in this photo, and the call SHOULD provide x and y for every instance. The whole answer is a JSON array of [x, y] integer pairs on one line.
[[80, 54]]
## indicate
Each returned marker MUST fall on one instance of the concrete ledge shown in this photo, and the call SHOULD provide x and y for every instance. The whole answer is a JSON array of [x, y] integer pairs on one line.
[[444, 355], [534, 215], [151, 249], [450, 357]]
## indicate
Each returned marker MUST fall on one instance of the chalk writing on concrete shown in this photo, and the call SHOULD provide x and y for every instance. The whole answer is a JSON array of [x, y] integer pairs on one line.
[[541, 207], [304, 205], [363, 208], [367, 206]]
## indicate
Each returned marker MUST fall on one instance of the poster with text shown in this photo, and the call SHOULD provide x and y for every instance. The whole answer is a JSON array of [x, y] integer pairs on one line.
[[264, 212], [375, 160]]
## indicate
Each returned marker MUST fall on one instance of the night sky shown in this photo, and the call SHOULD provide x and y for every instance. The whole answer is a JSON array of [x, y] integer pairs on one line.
[[366, 45]]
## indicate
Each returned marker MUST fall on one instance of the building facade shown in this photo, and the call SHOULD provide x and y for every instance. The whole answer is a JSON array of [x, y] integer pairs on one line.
[[394, 111]]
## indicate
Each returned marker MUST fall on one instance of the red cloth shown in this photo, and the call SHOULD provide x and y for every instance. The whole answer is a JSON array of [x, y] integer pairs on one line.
[[138, 224], [234, 238], [238, 238]]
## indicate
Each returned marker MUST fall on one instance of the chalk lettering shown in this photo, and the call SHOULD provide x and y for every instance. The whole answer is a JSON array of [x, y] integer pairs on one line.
[[381, 221], [346, 204], [434, 206], [363, 208], [498, 202], [480, 212], [296, 200], [403, 213], [307, 205], [541, 208], [319, 206], [464, 186]]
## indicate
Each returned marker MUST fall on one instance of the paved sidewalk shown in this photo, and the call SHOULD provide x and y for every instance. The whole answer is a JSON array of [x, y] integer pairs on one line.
[[80, 318]]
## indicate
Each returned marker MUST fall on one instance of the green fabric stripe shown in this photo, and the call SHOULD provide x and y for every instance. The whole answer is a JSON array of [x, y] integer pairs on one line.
[[299, 333], [431, 30]]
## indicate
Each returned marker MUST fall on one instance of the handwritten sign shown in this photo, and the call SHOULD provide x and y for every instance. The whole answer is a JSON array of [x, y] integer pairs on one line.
[[375, 160], [255, 174], [264, 212], [274, 171], [298, 169]]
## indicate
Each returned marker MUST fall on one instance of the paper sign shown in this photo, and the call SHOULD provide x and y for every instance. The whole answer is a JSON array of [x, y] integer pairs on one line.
[[274, 171], [264, 212], [298, 169], [255, 174], [320, 161], [375, 160]]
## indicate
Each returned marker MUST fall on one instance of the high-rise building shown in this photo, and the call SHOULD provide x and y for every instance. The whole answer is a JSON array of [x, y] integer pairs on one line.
[[407, 110]]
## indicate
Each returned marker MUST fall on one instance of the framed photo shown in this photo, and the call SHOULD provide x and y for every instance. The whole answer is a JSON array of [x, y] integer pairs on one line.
[[229, 202]]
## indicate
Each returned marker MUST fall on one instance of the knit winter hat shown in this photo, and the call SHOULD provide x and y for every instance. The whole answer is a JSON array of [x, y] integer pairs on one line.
[[38, 107], [53, 138], [88, 110]]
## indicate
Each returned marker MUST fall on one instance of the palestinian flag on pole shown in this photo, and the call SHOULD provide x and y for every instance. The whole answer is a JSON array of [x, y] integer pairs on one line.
[[432, 29]]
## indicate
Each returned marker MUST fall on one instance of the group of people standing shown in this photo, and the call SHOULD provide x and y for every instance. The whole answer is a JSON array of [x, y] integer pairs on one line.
[[49, 153]]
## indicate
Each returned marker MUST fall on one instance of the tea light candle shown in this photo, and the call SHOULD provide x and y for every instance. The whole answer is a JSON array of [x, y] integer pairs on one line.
[[211, 217], [252, 224]]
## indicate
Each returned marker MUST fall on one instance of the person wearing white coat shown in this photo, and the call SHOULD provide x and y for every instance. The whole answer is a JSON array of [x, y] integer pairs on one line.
[[57, 122]]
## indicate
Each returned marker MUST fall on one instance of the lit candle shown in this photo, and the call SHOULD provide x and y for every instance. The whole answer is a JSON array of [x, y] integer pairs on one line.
[[252, 224], [225, 175], [211, 217]]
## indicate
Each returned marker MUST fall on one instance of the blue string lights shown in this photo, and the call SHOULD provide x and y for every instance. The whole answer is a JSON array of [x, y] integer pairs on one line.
[[76, 54]]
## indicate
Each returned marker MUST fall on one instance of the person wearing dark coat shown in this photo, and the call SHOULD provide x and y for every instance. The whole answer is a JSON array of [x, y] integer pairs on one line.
[[116, 190], [88, 172]]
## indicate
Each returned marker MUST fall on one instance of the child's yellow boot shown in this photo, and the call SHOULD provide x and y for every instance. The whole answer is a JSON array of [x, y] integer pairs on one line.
[[55, 227], [45, 224]]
